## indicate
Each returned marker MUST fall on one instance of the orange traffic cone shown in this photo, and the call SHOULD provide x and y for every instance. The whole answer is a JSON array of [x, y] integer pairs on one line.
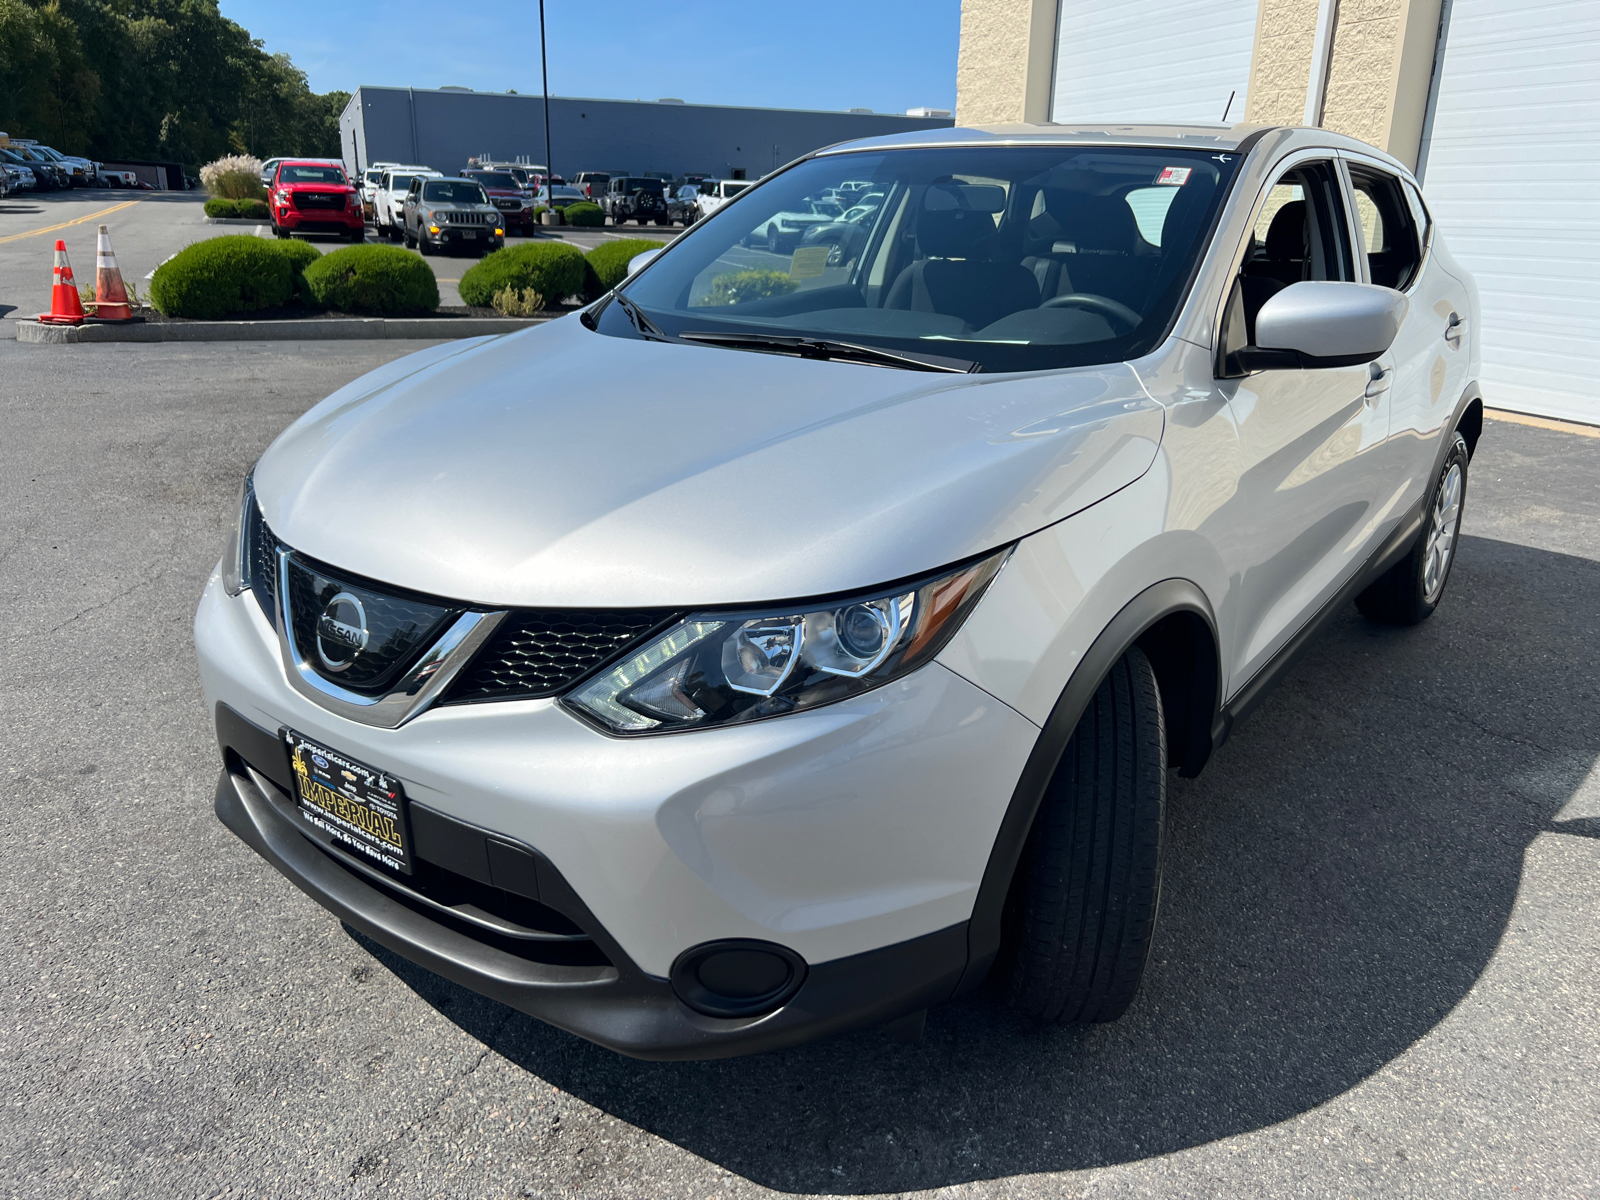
[[110, 294], [65, 307]]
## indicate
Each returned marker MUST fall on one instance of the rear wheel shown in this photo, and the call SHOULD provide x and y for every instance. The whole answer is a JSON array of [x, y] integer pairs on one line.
[[1082, 909], [1408, 592]]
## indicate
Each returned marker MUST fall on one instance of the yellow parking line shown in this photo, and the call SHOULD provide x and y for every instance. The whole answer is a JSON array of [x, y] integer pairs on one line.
[[94, 216], [1516, 418]]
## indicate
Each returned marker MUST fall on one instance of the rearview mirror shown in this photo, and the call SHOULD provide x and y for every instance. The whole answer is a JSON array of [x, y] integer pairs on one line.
[[1312, 324], [640, 261]]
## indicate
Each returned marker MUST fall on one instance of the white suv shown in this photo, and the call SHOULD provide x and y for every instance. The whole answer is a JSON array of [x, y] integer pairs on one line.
[[831, 656], [389, 199]]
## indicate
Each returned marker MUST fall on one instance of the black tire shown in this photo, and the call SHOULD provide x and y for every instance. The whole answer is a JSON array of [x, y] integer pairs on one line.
[[358, 235], [1082, 910], [1408, 592], [278, 231], [424, 246], [406, 239]]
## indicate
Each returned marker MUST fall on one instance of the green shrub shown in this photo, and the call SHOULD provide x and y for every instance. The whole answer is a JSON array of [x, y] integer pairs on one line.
[[221, 206], [255, 209], [741, 287], [584, 213], [553, 269], [372, 279], [539, 211], [608, 263], [223, 276], [300, 255]]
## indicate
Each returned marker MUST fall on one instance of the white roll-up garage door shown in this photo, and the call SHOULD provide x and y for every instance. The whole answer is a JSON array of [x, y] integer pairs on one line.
[[1152, 60], [1512, 174]]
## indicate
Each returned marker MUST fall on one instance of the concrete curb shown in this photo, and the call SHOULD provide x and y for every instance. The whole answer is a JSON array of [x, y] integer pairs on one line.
[[236, 220], [312, 329]]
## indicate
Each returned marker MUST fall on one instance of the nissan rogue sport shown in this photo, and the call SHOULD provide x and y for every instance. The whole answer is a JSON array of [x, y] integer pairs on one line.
[[789, 642]]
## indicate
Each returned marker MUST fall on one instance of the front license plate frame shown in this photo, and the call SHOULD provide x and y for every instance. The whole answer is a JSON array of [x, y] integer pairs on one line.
[[469, 233], [363, 809]]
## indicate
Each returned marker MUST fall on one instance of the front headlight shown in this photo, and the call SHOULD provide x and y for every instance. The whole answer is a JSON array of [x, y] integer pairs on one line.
[[236, 556], [725, 668]]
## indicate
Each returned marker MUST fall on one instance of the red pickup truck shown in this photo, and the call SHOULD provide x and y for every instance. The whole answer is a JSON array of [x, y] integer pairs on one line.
[[506, 194], [310, 195]]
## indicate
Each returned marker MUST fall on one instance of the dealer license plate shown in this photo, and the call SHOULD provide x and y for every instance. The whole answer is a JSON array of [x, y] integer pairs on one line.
[[360, 807]]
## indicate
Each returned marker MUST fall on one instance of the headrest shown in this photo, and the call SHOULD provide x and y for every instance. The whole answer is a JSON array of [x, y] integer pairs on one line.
[[955, 218], [1093, 222], [1286, 236]]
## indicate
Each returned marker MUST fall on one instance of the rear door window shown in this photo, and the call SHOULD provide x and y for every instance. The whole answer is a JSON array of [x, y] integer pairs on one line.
[[1388, 229]]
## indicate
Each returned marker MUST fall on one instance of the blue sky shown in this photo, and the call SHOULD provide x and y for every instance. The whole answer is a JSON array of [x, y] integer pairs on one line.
[[887, 55]]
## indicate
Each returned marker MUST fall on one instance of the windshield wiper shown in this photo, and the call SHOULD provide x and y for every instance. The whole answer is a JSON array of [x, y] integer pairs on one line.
[[821, 348]]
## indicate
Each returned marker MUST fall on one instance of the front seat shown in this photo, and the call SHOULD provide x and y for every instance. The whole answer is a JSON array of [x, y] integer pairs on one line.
[[953, 278]]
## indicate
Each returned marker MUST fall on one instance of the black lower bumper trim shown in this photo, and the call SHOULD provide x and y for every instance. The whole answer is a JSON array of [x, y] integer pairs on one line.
[[619, 1007]]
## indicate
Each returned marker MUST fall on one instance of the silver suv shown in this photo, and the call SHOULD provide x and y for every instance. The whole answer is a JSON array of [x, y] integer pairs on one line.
[[831, 654]]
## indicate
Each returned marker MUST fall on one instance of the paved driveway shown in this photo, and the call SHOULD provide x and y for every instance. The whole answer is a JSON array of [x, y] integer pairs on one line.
[[1378, 971]]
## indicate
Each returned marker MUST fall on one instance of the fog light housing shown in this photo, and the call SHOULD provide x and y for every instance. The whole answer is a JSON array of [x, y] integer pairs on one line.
[[737, 977]]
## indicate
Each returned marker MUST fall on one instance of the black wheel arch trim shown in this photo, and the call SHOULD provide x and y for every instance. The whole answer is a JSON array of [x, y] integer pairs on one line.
[[1168, 598]]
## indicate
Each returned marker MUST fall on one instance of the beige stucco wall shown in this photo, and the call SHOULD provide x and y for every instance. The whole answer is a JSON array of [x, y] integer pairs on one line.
[[1003, 67], [1379, 66], [1280, 68]]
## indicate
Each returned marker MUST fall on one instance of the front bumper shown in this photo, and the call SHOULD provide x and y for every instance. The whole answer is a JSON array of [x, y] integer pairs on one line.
[[617, 1006], [516, 218], [846, 833], [319, 220]]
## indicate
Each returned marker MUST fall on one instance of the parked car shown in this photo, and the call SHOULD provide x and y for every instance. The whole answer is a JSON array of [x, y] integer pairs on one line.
[[781, 232], [389, 199], [116, 179], [565, 197], [635, 198], [77, 172], [1060, 478], [269, 171], [47, 177], [371, 180], [846, 236], [591, 183], [507, 195], [447, 214], [681, 206], [714, 195], [20, 175], [313, 195]]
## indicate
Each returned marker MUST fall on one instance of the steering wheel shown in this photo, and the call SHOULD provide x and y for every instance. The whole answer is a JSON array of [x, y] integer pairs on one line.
[[1103, 305]]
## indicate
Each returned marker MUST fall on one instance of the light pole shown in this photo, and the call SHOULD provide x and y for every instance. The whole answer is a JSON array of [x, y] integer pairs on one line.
[[549, 158]]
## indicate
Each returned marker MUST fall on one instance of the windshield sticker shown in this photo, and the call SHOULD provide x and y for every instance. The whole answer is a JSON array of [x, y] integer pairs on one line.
[[809, 262], [1175, 176]]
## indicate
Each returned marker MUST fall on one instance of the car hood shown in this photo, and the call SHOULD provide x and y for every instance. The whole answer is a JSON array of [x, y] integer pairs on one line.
[[562, 467]]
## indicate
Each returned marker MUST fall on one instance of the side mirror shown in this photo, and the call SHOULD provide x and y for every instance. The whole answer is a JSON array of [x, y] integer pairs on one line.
[[1311, 324], [640, 261]]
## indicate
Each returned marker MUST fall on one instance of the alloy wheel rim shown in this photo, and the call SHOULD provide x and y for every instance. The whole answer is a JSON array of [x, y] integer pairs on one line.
[[1441, 542]]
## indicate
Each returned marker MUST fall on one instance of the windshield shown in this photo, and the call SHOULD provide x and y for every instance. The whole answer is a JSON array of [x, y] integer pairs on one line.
[[449, 191], [296, 173], [373, 176], [400, 183], [641, 185], [559, 190], [1019, 258], [496, 179]]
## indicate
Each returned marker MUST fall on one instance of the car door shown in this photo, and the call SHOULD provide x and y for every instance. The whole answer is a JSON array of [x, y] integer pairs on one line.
[[1429, 356], [1313, 496]]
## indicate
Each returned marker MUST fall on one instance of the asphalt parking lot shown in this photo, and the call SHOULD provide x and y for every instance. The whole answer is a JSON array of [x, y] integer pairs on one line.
[[1378, 971], [147, 228]]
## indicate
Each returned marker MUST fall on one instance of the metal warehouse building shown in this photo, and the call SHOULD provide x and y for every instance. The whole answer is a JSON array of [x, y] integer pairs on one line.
[[1494, 103], [445, 127]]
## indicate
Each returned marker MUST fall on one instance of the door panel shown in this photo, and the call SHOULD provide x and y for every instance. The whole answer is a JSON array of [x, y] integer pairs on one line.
[[1429, 371], [1315, 491]]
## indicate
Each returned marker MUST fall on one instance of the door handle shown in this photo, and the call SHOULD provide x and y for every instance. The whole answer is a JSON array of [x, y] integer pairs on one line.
[[1378, 380], [1453, 330]]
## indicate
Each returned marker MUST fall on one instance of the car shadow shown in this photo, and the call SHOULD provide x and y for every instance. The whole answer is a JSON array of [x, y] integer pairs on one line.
[[1337, 880]]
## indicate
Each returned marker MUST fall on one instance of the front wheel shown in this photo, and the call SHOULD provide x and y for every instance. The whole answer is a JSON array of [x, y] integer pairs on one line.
[[1408, 592], [1082, 910], [424, 246]]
